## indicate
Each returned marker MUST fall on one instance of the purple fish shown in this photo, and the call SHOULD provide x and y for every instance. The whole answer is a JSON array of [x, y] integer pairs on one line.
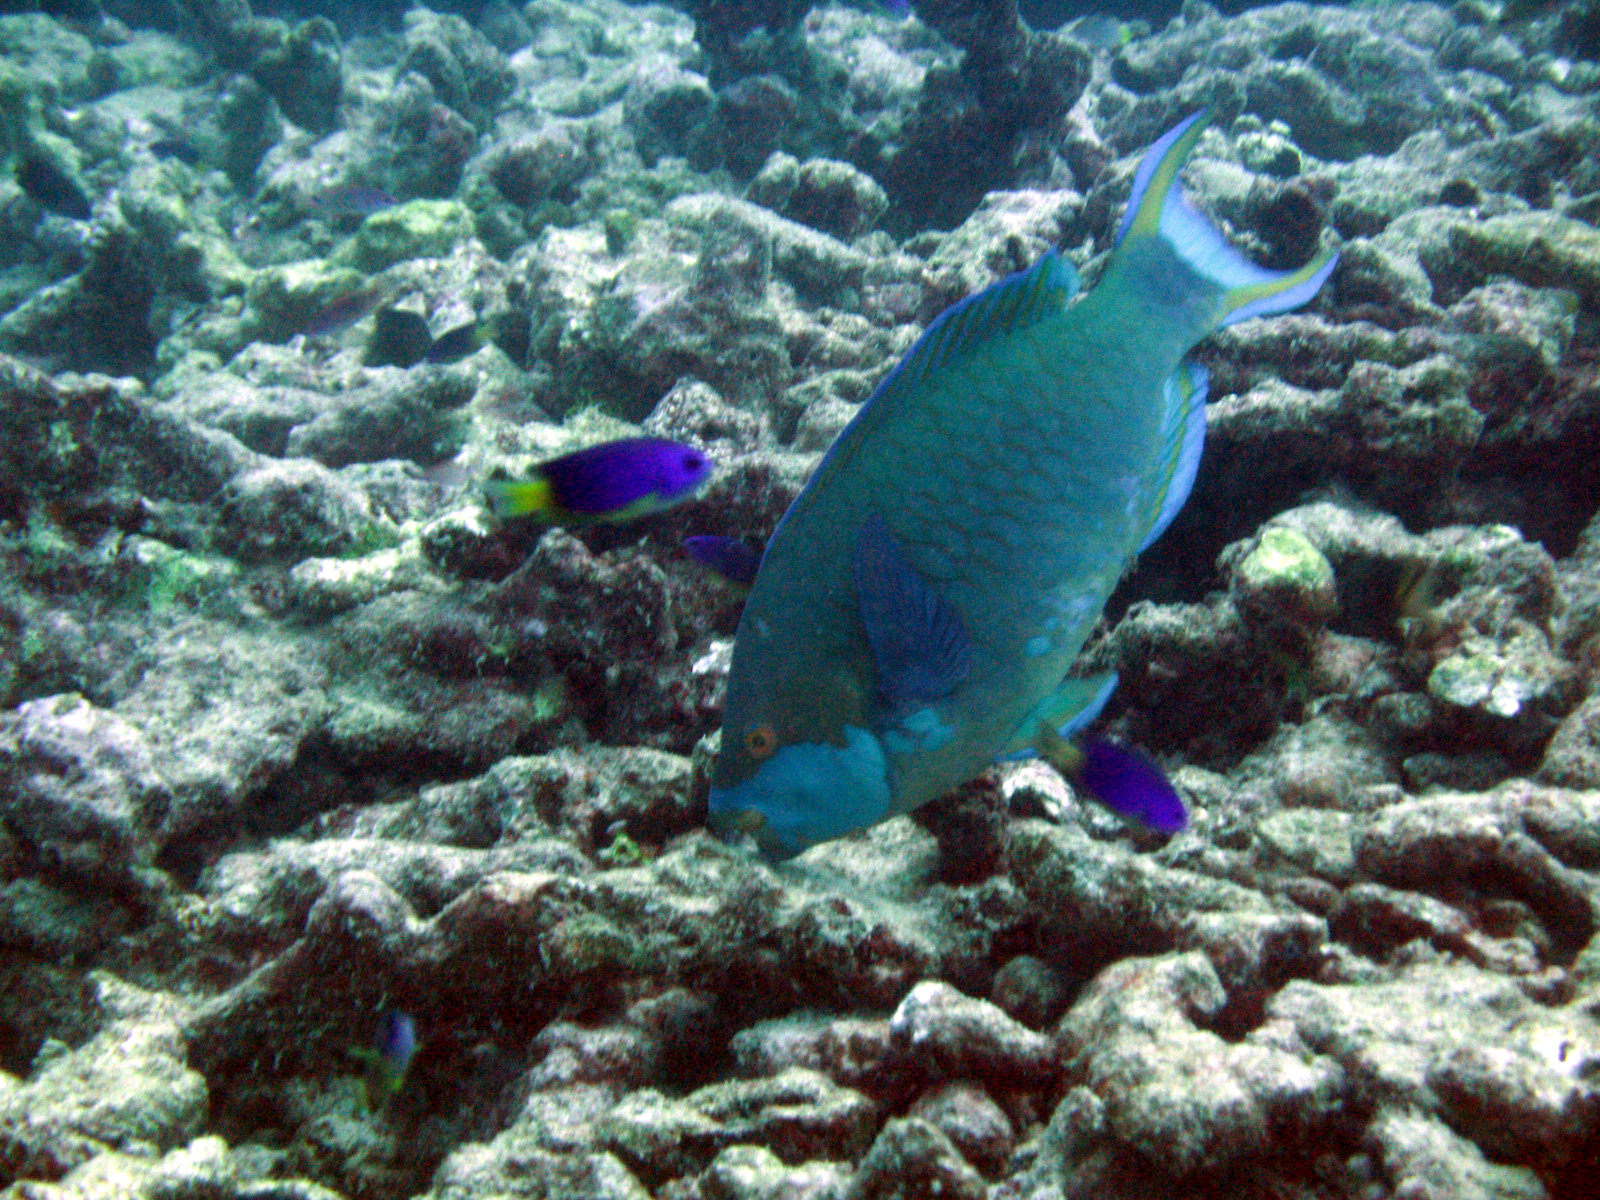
[[734, 560], [1128, 782], [389, 1057], [614, 481]]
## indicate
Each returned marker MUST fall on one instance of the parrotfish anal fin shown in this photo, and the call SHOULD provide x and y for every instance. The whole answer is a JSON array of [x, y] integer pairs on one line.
[[1067, 710], [919, 643], [1009, 304], [1185, 398], [1157, 209]]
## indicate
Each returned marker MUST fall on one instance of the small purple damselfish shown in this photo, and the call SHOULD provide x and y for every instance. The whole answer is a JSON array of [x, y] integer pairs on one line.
[[614, 481], [730, 558], [1120, 777]]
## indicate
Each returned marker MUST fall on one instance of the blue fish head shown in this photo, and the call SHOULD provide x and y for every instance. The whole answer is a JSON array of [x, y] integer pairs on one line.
[[804, 793]]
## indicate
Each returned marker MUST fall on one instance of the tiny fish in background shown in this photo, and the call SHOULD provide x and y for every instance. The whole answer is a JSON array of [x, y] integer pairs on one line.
[[922, 602], [44, 182], [1120, 777], [342, 312], [388, 1058], [735, 561], [352, 200], [175, 147], [455, 344], [614, 481], [1100, 31]]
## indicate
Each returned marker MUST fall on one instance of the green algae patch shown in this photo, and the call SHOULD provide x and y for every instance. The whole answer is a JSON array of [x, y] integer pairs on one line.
[[1538, 248], [288, 297], [417, 229], [1286, 572], [167, 576], [1486, 678]]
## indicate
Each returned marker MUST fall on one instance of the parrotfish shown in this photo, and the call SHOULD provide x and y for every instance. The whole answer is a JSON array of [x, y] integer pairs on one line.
[[614, 481], [921, 603]]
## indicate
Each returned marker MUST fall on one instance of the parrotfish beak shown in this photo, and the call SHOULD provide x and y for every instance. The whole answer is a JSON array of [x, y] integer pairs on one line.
[[806, 793]]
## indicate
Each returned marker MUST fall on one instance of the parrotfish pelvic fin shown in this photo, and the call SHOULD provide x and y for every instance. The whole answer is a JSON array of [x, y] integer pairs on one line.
[[1070, 708], [1185, 394], [1157, 209]]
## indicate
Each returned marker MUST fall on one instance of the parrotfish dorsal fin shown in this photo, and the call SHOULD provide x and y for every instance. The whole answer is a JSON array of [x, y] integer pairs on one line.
[[1185, 396], [1006, 305], [919, 642], [1157, 209]]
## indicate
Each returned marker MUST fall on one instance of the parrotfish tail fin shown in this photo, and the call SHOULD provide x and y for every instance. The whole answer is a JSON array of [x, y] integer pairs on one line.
[[1185, 396], [1157, 209], [509, 498]]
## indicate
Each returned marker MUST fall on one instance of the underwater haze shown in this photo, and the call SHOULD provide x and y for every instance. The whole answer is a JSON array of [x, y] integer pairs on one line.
[[463, 734]]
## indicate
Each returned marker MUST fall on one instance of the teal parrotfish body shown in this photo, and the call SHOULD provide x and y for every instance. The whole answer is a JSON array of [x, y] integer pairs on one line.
[[921, 603]]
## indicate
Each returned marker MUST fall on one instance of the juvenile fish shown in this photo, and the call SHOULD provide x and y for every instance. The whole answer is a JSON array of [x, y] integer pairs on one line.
[[342, 312], [386, 1061], [44, 182], [1120, 777], [352, 200]]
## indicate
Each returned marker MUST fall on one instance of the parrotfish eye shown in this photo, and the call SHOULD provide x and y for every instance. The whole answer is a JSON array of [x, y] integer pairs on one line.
[[693, 461], [761, 742]]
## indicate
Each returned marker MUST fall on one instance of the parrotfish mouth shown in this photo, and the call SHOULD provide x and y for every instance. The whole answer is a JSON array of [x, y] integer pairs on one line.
[[806, 793]]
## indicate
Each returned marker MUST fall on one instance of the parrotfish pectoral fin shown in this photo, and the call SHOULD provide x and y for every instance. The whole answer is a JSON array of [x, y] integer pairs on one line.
[[1129, 783], [1157, 209], [1072, 706], [1185, 396], [919, 642]]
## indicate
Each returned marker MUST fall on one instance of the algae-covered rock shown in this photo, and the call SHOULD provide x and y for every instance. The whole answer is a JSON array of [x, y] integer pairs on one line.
[[418, 229], [1541, 249], [128, 1087], [302, 68], [1284, 575]]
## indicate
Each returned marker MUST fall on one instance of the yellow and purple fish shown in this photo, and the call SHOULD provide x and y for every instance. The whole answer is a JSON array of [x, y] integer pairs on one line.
[[614, 481], [1120, 777], [386, 1061], [920, 604]]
